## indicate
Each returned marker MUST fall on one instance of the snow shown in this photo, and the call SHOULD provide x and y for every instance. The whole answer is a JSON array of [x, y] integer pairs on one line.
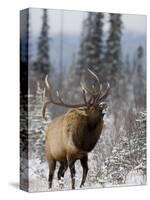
[[135, 177]]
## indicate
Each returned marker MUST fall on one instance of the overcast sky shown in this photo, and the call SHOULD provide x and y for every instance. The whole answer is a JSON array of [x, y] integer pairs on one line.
[[73, 21]]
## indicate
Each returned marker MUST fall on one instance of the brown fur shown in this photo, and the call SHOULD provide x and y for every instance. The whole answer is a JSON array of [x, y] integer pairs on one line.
[[72, 134]]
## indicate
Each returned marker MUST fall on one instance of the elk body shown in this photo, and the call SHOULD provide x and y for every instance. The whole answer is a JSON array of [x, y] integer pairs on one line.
[[71, 136]]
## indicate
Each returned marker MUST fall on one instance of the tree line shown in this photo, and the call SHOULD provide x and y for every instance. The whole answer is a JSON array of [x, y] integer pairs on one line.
[[99, 50]]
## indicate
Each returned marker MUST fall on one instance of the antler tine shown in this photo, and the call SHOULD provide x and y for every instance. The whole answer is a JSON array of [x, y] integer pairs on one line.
[[104, 95], [44, 109], [96, 77], [44, 106], [83, 86], [83, 92], [49, 87], [44, 94], [59, 97], [59, 102], [94, 94], [46, 82]]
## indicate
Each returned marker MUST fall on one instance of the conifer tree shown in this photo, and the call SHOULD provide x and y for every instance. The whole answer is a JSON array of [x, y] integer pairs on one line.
[[42, 65], [139, 54], [113, 47], [127, 62], [139, 80], [24, 46], [91, 47], [113, 66]]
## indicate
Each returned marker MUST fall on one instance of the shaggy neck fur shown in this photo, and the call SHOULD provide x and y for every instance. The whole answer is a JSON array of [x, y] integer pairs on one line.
[[87, 132]]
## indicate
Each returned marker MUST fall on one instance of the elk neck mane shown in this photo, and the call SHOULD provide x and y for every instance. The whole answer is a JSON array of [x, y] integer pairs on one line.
[[85, 131]]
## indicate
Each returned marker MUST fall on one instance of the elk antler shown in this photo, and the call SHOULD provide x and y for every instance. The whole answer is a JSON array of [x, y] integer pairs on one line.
[[60, 101], [104, 95], [96, 95], [92, 92]]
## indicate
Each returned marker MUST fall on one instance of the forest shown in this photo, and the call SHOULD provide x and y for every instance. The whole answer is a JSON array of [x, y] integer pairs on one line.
[[119, 157]]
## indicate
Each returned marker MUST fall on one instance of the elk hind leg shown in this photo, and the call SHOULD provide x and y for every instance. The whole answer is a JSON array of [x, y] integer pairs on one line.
[[52, 166]]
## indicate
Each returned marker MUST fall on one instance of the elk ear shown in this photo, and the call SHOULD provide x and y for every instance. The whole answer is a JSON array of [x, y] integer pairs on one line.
[[103, 107]]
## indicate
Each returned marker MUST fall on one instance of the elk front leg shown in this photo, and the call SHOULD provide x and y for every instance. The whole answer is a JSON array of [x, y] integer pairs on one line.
[[72, 171], [52, 166], [84, 163]]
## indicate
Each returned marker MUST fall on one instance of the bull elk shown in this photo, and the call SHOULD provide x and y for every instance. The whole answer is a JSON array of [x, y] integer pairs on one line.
[[74, 134]]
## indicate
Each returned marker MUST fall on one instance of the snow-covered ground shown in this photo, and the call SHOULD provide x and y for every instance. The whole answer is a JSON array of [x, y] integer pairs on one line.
[[38, 173]]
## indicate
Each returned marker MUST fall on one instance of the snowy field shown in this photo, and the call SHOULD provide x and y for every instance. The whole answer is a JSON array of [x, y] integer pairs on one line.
[[38, 174]]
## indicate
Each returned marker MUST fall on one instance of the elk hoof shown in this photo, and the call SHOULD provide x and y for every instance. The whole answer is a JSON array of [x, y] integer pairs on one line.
[[73, 187], [61, 182], [50, 185]]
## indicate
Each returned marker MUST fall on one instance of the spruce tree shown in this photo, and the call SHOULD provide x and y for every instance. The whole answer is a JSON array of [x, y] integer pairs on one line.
[[140, 54], [113, 47], [42, 64], [139, 79], [91, 47], [127, 62], [113, 67]]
